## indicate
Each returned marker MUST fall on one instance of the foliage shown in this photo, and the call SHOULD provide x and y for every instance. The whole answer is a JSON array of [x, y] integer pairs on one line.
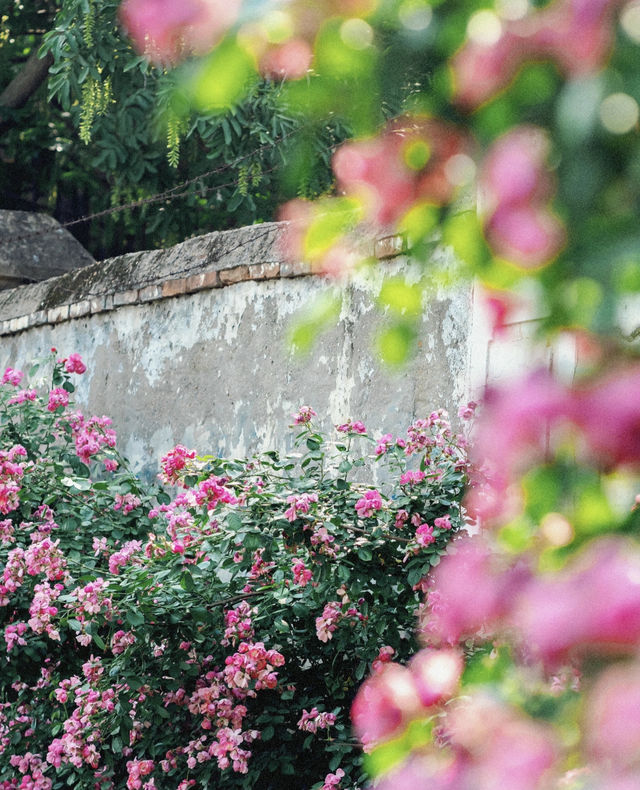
[[537, 106], [529, 674], [243, 610], [109, 129]]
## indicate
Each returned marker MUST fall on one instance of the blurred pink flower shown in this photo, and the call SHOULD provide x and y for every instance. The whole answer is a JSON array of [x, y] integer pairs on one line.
[[166, 30], [472, 591], [529, 236], [490, 747], [290, 60], [609, 414], [514, 170], [500, 307], [316, 233], [516, 187], [480, 71], [519, 424], [576, 34], [504, 749], [618, 781], [385, 704], [436, 674], [513, 431], [298, 215], [430, 771], [591, 606], [612, 717], [338, 261], [407, 163]]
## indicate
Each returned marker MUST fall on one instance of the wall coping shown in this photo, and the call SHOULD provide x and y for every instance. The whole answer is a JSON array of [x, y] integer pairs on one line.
[[198, 264]]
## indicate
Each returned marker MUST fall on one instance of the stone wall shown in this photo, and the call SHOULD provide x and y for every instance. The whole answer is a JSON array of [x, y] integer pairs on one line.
[[190, 345]]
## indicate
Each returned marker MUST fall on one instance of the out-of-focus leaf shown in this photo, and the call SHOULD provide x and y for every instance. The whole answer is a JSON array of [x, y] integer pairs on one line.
[[401, 296], [222, 78], [320, 315], [395, 343], [389, 754]]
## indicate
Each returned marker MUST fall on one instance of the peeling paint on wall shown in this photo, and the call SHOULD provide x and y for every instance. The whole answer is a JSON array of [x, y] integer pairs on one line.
[[211, 368]]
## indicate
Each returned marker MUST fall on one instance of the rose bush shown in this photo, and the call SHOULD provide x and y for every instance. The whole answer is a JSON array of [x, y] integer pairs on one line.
[[212, 633]]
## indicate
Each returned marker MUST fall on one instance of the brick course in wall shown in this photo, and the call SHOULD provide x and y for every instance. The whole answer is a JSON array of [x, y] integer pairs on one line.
[[216, 260]]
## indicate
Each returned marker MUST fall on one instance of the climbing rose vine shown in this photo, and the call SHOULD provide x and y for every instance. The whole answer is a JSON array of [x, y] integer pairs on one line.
[[211, 631]]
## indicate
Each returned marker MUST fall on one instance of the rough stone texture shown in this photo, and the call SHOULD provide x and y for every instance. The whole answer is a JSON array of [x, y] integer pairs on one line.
[[388, 247], [34, 247], [210, 254]]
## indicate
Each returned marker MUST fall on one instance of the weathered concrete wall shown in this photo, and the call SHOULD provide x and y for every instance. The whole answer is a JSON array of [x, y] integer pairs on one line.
[[189, 345]]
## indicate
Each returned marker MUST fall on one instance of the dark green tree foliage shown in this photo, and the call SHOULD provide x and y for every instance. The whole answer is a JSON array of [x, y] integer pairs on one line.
[[104, 128]]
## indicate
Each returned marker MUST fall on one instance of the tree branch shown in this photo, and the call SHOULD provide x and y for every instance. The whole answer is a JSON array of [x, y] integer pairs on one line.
[[23, 86]]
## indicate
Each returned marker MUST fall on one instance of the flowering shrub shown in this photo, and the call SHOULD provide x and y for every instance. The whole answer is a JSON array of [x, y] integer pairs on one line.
[[217, 635]]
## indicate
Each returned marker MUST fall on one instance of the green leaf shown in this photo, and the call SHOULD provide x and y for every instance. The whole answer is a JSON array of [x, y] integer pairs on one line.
[[414, 576], [134, 617], [401, 297], [186, 582], [395, 343], [332, 219], [321, 314], [386, 756], [462, 231], [200, 614], [223, 77], [360, 670], [286, 695], [418, 223]]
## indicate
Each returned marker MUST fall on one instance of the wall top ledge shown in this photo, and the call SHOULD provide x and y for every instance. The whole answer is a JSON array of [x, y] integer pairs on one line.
[[215, 260]]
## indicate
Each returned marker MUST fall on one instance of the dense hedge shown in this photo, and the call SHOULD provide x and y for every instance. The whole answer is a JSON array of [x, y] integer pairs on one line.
[[213, 637]]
